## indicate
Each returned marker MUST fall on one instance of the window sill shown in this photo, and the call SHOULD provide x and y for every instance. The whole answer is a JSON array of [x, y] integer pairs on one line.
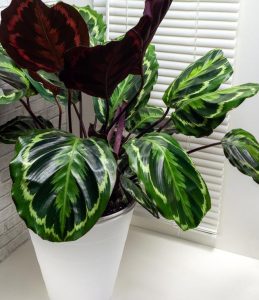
[[154, 267]]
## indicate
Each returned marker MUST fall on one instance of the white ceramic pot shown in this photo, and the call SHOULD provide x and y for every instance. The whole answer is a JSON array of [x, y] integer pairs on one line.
[[85, 269]]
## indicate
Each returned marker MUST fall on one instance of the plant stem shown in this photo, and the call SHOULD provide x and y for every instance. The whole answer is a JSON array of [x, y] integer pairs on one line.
[[164, 125], [79, 118], [59, 111], [107, 115], [119, 133], [35, 119], [154, 124], [81, 114], [203, 147], [129, 103], [70, 111]]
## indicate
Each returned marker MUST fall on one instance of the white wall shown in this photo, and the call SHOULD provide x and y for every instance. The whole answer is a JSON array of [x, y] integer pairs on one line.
[[239, 229]]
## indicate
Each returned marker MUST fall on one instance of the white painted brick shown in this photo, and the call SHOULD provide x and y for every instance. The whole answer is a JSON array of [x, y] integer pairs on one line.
[[13, 231], [4, 175], [12, 234], [10, 223], [7, 212], [5, 201], [5, 149], [5, 160], [5, 188]]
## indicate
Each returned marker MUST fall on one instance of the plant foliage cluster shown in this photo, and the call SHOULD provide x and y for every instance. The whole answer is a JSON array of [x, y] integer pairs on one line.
[[62, 184]]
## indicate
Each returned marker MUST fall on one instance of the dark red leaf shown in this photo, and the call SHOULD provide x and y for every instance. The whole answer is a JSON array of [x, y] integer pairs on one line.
[[36, 36], [98, 70]]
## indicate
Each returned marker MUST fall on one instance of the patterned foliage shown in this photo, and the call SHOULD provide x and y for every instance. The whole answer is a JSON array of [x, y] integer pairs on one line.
[[134, 192], [20, 126], [203, 76], [48, 84], [170, 178], [95, 23], [8, 96], [129, 87], [61, 184], [57, 28], [242, 150], [199, 116], [143, 117]]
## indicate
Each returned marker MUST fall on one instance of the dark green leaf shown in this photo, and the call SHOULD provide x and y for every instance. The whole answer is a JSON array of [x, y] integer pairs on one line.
[[143, 117], [8, 96], [170, 178], [201, 115], [129, 87], [20, 126], [53, 80], [242, 150], [62, 184], [95, 23], [134, 192], [202, 77], [13, 75]]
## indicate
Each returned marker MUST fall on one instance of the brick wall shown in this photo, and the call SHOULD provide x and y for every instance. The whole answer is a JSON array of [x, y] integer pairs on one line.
[[13, 231]]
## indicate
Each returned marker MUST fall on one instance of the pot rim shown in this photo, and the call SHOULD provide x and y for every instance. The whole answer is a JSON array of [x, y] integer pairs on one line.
[[117, 214]]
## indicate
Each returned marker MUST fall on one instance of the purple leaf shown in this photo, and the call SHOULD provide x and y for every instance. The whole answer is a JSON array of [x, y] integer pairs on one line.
[[98, 70], [36, 36]]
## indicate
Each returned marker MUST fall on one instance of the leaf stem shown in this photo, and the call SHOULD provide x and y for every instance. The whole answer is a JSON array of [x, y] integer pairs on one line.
[[147, 129], [204, 147], [107, 115], [129, 103], [35, 119], [164, 125], [70, 127], [60, 112], [82, 125]]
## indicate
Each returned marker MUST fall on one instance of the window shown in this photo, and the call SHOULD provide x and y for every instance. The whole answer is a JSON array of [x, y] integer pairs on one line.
[[190, 29]]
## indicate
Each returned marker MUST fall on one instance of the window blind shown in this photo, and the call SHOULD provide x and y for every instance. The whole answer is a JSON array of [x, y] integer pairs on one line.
[[189, 30]]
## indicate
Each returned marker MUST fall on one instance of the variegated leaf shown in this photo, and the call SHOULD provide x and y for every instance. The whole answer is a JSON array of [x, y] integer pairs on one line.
[[62, 184], [170, 178], [8, 96], [20, 126], [95, 23], [202, 77], [143, 117], [134, 192], [201, 115], [129, 87], [13, 75], [242, 150], [53, 80]]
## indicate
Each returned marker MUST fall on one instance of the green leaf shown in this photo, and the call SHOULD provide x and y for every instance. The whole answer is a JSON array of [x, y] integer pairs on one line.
[[61, 183], [53, 80], [95, 23], [202, 77], [143, 118], [20, 126], [134, 192], [13, 75], [201, 115], [8, 96], [170, 178], [242, 150], [129, 87]]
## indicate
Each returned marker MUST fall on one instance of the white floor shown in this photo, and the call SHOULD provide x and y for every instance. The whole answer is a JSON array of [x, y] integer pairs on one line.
[[154, 267]]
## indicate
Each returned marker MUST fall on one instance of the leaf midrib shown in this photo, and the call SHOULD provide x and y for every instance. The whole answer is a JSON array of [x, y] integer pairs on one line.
[[69, 167]]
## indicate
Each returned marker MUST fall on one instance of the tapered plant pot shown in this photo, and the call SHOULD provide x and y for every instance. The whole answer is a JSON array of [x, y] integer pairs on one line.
[[85, 269]]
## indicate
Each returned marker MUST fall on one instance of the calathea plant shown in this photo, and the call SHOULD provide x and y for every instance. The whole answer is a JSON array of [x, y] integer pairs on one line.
[[62, 184]]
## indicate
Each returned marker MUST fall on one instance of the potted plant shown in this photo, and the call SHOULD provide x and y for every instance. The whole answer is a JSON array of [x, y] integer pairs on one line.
[[76, 194]]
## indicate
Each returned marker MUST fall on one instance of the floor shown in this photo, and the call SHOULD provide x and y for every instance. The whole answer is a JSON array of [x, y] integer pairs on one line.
[[154, 267]]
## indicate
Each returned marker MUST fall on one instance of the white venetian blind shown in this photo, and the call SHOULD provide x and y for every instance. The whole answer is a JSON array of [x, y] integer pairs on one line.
[[190, 29]]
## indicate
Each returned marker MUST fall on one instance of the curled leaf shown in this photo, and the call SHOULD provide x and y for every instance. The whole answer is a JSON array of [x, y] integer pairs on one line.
[[36, 36]]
